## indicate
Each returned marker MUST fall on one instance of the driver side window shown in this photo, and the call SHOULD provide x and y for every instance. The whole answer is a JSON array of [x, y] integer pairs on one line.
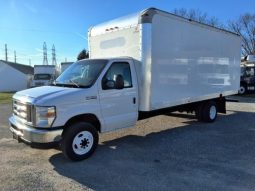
[[117, 69]]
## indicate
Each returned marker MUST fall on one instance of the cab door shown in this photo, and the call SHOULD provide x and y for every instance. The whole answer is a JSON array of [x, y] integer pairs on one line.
[[119, 107]]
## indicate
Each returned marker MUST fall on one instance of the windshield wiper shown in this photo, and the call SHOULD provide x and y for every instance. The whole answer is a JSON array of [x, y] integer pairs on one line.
[[74, 83]]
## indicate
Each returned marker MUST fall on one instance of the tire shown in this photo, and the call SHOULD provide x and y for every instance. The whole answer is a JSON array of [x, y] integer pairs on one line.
[[242, 89], [79, 141], [199, 112], [209, 111]]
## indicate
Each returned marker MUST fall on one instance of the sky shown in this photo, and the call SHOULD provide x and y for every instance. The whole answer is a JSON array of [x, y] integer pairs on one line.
[[26, 24]]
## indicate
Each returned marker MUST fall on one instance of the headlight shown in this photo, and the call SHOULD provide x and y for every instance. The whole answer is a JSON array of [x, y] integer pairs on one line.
[[44, 116]]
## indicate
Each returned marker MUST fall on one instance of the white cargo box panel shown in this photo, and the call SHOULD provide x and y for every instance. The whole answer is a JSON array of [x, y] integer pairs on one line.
[[44, 69], [117, 38], [178, 61]]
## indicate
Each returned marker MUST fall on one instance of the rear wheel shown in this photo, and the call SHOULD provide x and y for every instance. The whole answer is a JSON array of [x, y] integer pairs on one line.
[[79, 141], [209, 111]]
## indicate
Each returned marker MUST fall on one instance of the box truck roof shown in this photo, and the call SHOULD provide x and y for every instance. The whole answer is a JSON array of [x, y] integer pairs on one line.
[[145, 16]]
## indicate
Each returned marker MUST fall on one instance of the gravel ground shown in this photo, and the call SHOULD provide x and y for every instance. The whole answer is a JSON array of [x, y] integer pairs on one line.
[[168, 152]]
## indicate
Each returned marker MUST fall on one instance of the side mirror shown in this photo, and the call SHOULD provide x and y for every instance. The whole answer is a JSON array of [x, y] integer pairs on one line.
[[109, 84], [119, 84]]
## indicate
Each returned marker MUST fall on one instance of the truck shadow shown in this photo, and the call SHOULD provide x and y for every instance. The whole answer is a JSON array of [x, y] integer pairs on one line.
[[181, 115], [248, 98], [217, 156]]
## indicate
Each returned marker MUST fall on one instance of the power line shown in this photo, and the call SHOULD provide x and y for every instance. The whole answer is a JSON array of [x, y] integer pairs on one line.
[[21, 57], [15, 29]]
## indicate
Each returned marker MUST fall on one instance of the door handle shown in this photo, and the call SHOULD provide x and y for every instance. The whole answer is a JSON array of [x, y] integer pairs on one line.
[[134, 100]]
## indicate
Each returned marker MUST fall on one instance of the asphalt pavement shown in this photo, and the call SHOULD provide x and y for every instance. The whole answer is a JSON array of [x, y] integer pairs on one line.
[[167, 152]]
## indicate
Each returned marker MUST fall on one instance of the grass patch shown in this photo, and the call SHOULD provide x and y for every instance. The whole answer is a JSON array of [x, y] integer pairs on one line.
[[6, 97]]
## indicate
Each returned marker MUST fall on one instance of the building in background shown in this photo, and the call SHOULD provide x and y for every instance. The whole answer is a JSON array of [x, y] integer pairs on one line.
[[65, 65], [14, 77]]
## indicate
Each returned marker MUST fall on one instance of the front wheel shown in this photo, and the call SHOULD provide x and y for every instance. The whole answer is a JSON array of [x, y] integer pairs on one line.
[[79, 141]]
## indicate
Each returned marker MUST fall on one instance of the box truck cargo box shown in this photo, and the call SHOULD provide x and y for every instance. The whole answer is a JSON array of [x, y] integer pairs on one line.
[[177, 60], [140, 66]]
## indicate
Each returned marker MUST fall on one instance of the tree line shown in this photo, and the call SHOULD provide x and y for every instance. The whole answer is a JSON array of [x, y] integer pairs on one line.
[[244, 26]]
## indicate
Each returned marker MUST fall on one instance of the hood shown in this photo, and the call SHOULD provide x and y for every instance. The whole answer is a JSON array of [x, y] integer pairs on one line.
[[40, 91], [52, 95]]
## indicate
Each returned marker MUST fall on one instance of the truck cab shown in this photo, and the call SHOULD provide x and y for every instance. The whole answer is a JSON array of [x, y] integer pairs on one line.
[[102, 93]]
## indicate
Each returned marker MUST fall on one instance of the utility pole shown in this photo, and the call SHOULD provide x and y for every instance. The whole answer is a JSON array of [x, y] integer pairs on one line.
[[15, 58], [45, 59], [29, 62], [54, 61], [6, 53]]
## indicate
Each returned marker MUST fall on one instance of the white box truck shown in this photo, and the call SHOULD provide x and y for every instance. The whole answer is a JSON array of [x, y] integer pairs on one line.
[[43, 75], [140, 66]]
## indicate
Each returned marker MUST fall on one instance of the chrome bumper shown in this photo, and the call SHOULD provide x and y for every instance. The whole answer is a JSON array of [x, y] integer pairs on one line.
[[31, 135]]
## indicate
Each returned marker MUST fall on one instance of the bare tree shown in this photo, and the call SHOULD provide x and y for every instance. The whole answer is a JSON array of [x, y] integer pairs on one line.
[[213, 21], [199, 16], [181, 12], [83, 54], [245, 27]]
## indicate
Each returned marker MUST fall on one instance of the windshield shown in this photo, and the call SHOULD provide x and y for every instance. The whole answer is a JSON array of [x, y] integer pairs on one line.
[[42, 76], [82, 73]]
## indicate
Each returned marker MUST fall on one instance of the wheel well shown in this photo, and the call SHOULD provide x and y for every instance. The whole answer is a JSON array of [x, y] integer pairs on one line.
[[89, 118], [220, 103]]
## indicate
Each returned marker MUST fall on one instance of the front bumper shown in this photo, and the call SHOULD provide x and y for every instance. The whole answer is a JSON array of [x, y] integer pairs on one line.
[[29, 134]]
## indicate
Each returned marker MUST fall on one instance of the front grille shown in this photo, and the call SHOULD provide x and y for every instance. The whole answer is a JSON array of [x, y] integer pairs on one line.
[[22, 110]]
